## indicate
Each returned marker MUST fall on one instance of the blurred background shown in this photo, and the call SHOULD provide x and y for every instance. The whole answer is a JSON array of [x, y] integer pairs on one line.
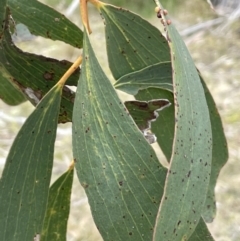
[[211, 31]]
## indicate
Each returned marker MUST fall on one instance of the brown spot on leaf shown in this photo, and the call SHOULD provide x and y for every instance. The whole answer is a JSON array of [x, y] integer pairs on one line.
[[48, 75]]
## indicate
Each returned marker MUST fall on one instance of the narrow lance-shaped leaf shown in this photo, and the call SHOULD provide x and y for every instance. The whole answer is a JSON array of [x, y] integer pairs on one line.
[[44, 21], [190, 166], [26, 176], [131, 41], [157, 75], [35, 75], [219, 155], [123, 180], [55, 221], [164, 130], [163, 127]]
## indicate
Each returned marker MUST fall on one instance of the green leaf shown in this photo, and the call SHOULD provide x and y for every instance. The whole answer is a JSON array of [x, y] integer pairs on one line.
[[163, 128], [36, 75], [157, 75], [44, 21], [144, 113], [119, 170], [55, 221], [164, 125], [190, 167], [132, 81], [131, 41], [26, 176], [219, 155], [9, 93]]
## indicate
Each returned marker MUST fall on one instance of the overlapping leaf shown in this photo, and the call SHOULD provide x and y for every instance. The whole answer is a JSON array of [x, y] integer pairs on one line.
[[132, 82], [44, 21], [55, 221], [26, 176], [119, 170], [157, 75], [36, 75], [219, 155], [132, 41], [9, 93], [190, 167]]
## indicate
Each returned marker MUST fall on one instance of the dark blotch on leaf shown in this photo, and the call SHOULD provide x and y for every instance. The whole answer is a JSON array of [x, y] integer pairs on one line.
[[48, 75]]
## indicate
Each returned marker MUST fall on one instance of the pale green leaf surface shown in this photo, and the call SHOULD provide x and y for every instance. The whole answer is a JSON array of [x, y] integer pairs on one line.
[[36, 75], [131, 41], [26, 176], [44, 21], [119, 170], [190, 166], [157, 75], [55, 221], [9, 93]]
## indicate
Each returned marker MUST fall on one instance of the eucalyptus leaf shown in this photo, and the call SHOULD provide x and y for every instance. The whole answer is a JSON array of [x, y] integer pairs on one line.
[[56, 217], [35, 75], [119, 170], [219, 155], [44, 21], [26, 176], [190, 166], [157, 75], [134, 81], [131, 41]]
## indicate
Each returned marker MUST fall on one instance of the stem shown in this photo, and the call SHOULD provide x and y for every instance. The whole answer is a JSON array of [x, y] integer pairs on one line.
[[71, 166], [84, 15], [69, 72]]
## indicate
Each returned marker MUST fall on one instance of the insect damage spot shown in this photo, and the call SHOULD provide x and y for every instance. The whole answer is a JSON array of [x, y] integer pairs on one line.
[[85, 185], [35, 96], [36, 237], [48, 75], [145, 112]]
